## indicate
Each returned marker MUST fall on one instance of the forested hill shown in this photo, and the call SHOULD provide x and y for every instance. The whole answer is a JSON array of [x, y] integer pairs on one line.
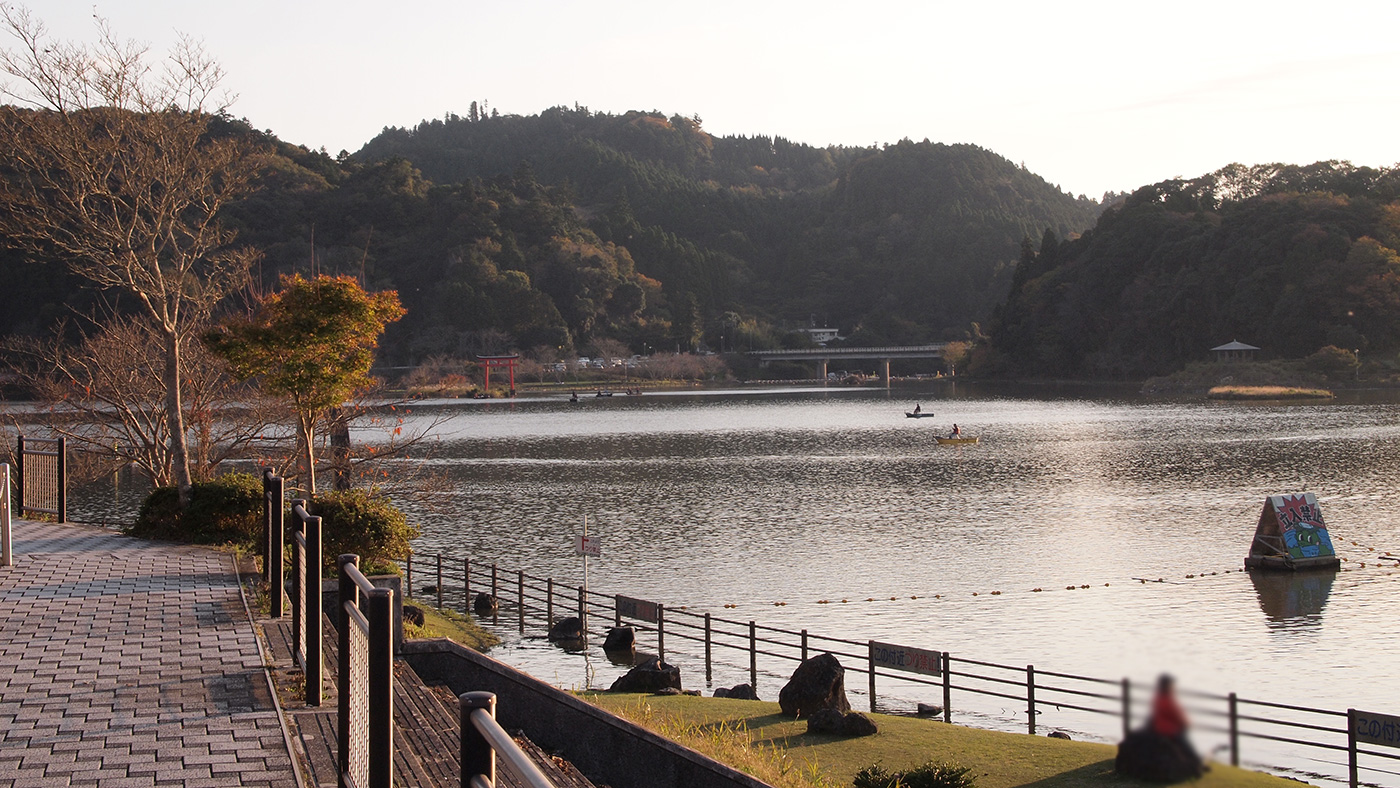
[[901, 243], [550, 232], [1287, 258]]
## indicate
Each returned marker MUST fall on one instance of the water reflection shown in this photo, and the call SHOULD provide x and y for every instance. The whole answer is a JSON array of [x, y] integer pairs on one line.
[[1293, 601]]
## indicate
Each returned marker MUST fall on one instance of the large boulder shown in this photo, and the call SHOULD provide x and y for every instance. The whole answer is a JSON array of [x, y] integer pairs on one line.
[[652, 675], [413, 615], [570, 628], [620, 639], [818, 683], [852, 723], [1148, 755], [738, 692], [485, 604]]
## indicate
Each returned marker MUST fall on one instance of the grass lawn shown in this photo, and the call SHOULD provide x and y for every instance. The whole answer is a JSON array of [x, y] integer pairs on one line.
[[998, 760], [447, 623]]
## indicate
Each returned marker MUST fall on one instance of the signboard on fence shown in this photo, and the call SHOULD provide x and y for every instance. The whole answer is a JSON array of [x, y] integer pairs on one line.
[[906, 658], [589, 545], [1372, 728], [636, 608]]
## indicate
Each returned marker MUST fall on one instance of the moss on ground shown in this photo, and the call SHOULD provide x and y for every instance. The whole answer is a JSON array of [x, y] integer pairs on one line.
[[998, 759], [447, 623]]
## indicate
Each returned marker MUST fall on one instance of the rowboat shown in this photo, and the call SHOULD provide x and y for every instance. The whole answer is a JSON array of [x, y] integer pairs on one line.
[[955, 441], [917, 415]]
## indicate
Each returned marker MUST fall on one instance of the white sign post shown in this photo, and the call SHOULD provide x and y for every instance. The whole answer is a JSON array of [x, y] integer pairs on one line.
[[585, 546]]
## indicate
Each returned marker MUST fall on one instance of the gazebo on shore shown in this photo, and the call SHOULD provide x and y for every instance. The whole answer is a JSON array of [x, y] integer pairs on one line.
[[1234, 350]]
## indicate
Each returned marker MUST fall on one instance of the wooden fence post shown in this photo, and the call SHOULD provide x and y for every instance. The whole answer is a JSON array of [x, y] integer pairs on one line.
[[709, 672], [753, 655], [1127, 708], [1030, 699], [1234, 731], [870, 666], [660, 633], [947, 687], [520, 596], [549, 601], [439, 580], [1351, 748]]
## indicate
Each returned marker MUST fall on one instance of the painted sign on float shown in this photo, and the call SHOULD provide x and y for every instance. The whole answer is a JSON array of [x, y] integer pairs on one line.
[[906, 658], [1300, 524]]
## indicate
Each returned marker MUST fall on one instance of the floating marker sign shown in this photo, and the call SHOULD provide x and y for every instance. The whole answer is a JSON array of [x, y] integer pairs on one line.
[[589, 545], [906, 658], [1372, 728], [636, 608]]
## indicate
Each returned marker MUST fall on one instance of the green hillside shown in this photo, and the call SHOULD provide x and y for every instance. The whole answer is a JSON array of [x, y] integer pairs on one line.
[[1283, 257]]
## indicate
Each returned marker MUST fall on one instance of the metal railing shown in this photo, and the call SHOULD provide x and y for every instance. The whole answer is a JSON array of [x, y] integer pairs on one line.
[[7, 550], [274, 538], [365, 679], [306, 599], [483, 739], [1036, 693], [42, 467]]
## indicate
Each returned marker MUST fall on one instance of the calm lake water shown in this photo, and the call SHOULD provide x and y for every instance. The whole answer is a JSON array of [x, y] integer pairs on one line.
[[748, 499]]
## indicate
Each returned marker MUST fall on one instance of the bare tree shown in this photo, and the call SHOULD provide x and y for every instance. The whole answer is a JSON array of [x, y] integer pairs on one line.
[[106, 394], [109, 165]]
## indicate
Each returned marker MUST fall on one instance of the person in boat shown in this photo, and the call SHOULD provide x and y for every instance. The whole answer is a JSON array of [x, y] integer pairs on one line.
[[956, 433], [918, 408], [573, 396]]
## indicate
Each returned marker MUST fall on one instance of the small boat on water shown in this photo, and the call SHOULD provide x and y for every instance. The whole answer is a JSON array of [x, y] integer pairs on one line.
[[955, 441], [912, 415]]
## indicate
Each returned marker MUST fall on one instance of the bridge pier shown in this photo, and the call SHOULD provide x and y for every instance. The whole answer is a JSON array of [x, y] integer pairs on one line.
[[887, 372], [822, 367]]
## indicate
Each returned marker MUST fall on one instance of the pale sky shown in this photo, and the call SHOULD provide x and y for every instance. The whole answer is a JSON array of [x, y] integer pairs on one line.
[[1092, 96]]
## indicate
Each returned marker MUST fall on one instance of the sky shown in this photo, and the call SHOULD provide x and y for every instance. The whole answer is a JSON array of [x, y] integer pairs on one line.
[[1092, 96]]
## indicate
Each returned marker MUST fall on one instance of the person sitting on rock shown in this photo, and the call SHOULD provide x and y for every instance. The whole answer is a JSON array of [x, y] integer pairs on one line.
[[1160, 751], [1168, 720]]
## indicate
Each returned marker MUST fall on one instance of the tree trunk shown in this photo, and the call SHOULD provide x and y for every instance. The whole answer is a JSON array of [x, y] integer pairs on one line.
[[175, 419], [307, 422], [340, 449]]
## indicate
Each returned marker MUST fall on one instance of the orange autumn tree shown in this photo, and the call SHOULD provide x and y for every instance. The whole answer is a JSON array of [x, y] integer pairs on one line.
[[311, 343]]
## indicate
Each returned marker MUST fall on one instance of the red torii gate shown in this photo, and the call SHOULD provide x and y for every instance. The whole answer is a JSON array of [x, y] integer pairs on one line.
[[490, 362]]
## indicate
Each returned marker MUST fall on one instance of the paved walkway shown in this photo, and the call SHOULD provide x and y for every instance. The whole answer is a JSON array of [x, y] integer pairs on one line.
[[125, 662]]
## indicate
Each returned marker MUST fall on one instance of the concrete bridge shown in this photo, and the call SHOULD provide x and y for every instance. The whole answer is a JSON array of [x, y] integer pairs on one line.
[[824, 356]]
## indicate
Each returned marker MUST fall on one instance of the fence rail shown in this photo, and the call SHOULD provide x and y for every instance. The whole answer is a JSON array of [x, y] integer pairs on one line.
[[365, 679], [7, 549], [42, 467], [1037, 693], [274, 538], [483, 740], [306, 599]]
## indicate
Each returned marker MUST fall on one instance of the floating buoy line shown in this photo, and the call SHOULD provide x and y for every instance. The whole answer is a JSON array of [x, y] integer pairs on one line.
[[1384, 555]]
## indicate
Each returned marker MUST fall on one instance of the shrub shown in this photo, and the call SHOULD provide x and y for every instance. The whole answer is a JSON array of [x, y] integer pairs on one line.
[[1332, 361], [364, 523], [930, 775], [228, 508]]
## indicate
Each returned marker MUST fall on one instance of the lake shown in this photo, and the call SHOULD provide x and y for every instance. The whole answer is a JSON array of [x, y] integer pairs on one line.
[[743, 498], [749, 498]]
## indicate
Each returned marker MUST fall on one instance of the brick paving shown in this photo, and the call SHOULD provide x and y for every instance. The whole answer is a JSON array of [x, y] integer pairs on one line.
[[125, 662]]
